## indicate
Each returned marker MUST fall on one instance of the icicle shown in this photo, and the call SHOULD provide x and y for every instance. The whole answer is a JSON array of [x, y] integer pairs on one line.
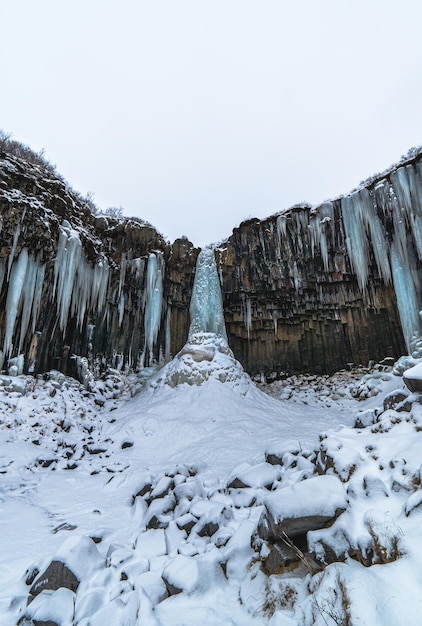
[[364, 206], [296, 276], [168, 335], [80, 287], [408, 191], [16, 286], [37, 295], [15, 243], [15, 366], [318, 225], [275, 320], [28, 297], [13, 249], [121, 309], [154, 299], [415, 186], [206, 307], [282, 226], [123, 265], [2, 273], [406, 293], [247, 313], [356, 239], [69, 253]]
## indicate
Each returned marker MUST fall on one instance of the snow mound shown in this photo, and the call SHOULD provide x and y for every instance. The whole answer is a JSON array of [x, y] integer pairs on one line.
[[205, 356]]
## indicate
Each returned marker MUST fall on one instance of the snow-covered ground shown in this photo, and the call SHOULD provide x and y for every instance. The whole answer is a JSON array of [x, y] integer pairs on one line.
[[151, 495]]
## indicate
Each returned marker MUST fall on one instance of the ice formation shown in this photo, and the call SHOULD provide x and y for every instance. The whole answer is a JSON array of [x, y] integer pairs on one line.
[[206, 308], [80, 287], [247, 314], [154, 300], [379, 226], [382, 227], [206, 356]]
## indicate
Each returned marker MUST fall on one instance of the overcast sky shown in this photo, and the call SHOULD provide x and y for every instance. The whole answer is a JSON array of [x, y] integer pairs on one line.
[[197, 114]]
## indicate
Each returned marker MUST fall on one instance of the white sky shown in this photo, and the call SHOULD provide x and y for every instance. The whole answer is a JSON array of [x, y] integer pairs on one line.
[[196, 114]]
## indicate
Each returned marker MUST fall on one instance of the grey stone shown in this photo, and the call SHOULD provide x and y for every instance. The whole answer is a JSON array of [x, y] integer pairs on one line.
[[55, 576]]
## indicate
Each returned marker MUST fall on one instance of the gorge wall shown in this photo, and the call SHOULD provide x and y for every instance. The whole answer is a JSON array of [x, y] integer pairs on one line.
[[310, 289]]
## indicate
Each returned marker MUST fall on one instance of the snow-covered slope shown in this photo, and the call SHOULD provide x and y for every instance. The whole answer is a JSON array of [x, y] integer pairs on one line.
[[152, 496]]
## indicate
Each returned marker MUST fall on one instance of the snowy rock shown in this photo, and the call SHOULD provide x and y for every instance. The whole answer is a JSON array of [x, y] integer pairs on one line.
[[413, 503], [119, 612], [153, 585], [50, 609], [330, 547], [396, 400], [151, 543], [238, 553], [181, 574], [245, 497], [275, 453], [305, 506], [261, 475], [281, 556], [17, 385], [374, 486], [77, 558], [188, 489], [366, 418], [156, 515], [55, 576], [88, 604], [186, 522], [413, 378], [341, 459]]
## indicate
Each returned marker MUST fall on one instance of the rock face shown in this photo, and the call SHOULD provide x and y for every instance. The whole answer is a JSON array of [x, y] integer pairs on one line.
[[310, 289], [75, 284]]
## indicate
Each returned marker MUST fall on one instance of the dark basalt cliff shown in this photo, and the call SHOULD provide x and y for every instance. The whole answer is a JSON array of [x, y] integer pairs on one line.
[[285, 312], [310, 289]]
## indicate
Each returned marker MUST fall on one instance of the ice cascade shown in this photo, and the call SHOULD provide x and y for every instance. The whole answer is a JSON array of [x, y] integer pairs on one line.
[[206, 306]]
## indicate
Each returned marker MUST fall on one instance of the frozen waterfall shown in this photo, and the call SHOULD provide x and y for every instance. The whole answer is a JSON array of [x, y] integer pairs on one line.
[[206, 356], [206, 307]]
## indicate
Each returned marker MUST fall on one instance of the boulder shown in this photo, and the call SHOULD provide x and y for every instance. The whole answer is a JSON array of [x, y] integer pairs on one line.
[[395, 400], [308, 505], [55, 576], [274, 454], [76, 558], [50, 609], [261, 475], [413, 378]]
